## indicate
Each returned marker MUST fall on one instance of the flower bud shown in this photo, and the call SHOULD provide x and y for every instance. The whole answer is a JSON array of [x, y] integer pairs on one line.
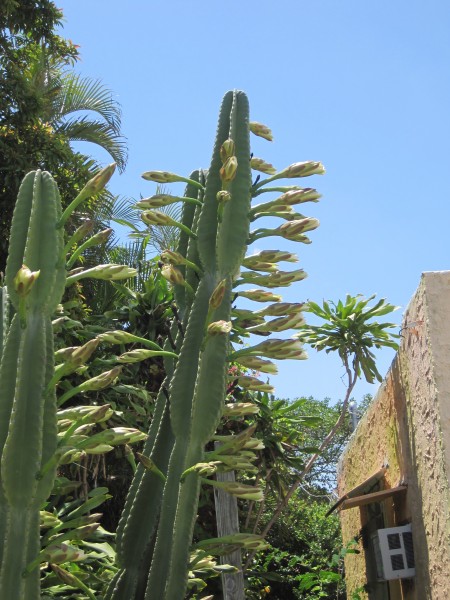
[[83, 230], [257, 265], [254, 444], [60, 553], [48, 520], [243, 322], [223, 197], [296, 354], [205, 469], [240, 490], [293, 228], [289, 198], [82, 354], [227, 150], [138, 355], [281, 324], [240, 409], [71, 456], [24, 281], [243, 314], [253, 383], [172, 274], [172, 257], [277, 255], [81, 533], [113, 436], [98, 182], [64, 353], [117, 337], [260, 296], [273, 348], [157, 201], [239, 461], [233, 443], [162, 177], [156, 217], [219, 328], [282, 308], [261, 130], [258, 164], [293, 197], [302, 169], [228, 170], [258, 364], [101, 237], [217, 296], [110, 272], [87, 414], [149, 465], [65, 576], [273, 280], [101, 381]]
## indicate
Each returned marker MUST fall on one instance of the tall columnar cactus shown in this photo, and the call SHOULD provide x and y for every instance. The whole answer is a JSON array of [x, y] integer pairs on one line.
[[35, 279], [156, 528]]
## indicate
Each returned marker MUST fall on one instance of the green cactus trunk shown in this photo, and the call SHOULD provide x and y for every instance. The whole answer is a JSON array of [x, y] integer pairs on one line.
[[27, 408], [197, 389]]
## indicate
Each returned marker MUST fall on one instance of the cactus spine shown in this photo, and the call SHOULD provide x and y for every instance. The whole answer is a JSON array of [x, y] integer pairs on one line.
[[27, 409]]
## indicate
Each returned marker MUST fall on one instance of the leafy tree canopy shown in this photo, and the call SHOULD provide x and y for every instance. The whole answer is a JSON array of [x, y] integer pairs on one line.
[[39, 95]]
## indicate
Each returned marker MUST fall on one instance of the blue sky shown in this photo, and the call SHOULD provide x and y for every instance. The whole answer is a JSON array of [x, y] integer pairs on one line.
[[363, 87]]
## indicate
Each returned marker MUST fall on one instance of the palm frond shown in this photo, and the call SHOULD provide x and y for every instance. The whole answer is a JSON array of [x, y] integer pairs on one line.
[[98, 133], [123, 210], [85, 94], [131, 254]]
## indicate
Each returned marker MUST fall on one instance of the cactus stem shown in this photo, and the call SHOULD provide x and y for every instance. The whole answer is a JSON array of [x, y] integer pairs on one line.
[[22, 312]]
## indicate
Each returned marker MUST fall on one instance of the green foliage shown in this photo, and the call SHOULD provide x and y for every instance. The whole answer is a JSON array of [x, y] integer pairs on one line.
[[40, 104], [305, 558], [76, 546], [348, 328], [35, 19]]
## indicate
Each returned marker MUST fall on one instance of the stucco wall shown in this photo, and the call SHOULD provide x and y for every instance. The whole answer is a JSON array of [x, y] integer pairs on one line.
[[407, 426]]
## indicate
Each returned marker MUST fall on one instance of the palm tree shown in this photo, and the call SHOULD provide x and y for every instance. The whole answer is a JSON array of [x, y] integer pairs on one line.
[[60, 93], [50, 107]]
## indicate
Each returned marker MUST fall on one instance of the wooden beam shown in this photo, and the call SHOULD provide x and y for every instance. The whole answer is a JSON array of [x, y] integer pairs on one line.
[[359, 489], [373, 497]]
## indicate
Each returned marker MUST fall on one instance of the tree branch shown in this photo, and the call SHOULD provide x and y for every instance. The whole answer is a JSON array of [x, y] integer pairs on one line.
[[352, 378]]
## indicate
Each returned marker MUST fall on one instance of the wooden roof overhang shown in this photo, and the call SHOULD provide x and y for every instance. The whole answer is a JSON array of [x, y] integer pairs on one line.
[[361, 494]]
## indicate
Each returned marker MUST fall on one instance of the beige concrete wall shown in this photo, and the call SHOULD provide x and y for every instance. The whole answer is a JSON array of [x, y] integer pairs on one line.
[[408, 427]]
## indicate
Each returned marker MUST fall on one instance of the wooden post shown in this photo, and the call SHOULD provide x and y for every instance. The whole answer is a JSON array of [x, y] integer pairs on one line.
[[228, 524]]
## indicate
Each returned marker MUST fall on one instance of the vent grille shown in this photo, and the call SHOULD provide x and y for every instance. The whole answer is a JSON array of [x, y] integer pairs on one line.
[[394, 542], [394, 553], [397, 562]]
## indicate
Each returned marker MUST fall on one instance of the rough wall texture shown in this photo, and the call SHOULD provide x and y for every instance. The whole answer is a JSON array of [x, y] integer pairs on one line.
[[407, 426]]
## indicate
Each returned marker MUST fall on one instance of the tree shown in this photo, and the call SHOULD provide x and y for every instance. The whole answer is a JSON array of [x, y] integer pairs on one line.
[[39, 95]]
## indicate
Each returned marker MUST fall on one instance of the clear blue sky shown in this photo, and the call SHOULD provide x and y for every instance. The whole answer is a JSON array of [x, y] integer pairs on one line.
[[361, 86]]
